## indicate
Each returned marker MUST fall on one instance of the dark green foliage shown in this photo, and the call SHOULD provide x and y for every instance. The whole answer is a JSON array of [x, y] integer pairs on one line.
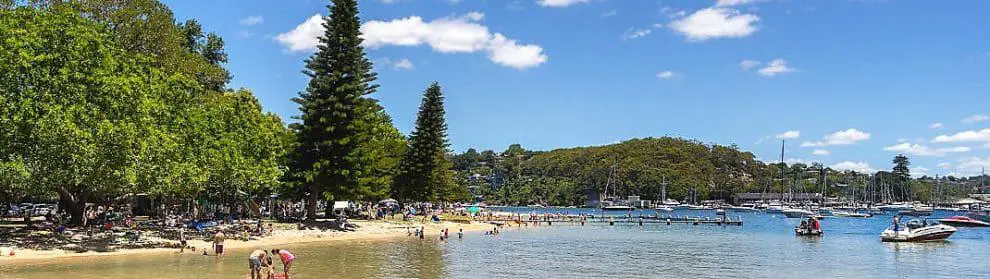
[[327, 158], [426, 172]]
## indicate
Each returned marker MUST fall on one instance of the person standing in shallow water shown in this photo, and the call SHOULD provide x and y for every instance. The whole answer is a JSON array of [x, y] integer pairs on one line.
[[286, 258], [218, 239]]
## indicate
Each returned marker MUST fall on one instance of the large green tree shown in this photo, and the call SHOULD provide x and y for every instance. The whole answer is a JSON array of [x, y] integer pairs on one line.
[[426, 172], [327, 159]]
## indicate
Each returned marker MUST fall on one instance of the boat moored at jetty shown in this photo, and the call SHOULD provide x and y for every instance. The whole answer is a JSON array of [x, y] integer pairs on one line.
[[746, 207], [917, 231], [963, 221]]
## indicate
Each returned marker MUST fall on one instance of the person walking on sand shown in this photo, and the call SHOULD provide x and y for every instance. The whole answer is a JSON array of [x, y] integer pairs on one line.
[[218, 239], [286, 258], [182, 239], [255, 261]]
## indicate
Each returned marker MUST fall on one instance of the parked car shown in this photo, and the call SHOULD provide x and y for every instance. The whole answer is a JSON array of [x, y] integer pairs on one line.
[[43, 209]]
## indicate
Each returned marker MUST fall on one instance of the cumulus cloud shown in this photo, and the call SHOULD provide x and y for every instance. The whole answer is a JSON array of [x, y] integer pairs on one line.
[[862, 167], [936, 125], [976, 118], [252, 20], [944, 165], [793, 134], [748, 64], [713, 23], [966, 136], [776, 67], [460, 34], [921, 150], [559, 3], [668, 74], [844, 137], [821, 152], [403, 64]]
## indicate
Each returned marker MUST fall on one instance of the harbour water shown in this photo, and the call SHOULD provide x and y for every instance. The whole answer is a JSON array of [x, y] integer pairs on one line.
[[764, 247]]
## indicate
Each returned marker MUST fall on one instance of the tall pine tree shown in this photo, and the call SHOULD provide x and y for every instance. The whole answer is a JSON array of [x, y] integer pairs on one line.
[[425, 171], [327, 158]]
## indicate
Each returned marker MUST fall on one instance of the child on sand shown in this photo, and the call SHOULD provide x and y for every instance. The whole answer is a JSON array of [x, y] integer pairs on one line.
[[286, 258]]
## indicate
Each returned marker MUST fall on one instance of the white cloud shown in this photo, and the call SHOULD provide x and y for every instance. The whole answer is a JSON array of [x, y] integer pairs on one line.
[[921, 150], [305, 36], [821, 152], [845, 137], [793, 134], [919, 171], [454, 2], [944, 165], [966, 136], [446, 35], [976, 118], [862, 167], [403, 64], [712, 23], [252, 20], [559, 3], [632, 33], [611, 13], [668, 74], [748, 64], [936, 125], [775, 67]]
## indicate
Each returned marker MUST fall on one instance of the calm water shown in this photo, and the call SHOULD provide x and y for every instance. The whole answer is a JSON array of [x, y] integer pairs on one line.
[[764, 247]]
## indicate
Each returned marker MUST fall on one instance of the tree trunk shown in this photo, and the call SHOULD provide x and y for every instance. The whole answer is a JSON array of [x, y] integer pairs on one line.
[[75, 205], [314, 192]]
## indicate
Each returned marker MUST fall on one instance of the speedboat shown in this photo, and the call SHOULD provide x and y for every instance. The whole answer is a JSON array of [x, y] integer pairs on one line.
[[850, 214], [917, 231], [797, 213], [746, 207], [895, 207], [963, 221], [536, 205], [775, 208]]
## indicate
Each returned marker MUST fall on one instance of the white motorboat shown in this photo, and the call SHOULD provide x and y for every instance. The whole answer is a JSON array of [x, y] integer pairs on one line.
[[746, 207], [797, 213], [664, 208], [895, 207], [917, 231]]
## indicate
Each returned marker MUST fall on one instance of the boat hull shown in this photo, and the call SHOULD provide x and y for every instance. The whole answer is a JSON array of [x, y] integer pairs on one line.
[[808, 232], [923, 234], [618, 208]]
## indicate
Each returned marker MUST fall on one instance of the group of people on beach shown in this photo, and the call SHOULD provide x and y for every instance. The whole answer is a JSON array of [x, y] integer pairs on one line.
[[261, 264]]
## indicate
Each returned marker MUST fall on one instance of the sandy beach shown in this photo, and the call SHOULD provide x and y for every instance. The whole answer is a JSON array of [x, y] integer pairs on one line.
[[367, 230]]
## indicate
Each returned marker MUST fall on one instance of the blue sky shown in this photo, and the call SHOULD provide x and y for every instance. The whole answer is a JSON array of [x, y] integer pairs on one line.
[[854, 81]]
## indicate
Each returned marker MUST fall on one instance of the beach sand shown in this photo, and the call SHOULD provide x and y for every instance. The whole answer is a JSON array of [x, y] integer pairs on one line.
[[367, 230]]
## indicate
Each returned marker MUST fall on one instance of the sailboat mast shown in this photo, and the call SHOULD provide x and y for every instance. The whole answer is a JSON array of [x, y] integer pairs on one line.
[[782, 166]]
